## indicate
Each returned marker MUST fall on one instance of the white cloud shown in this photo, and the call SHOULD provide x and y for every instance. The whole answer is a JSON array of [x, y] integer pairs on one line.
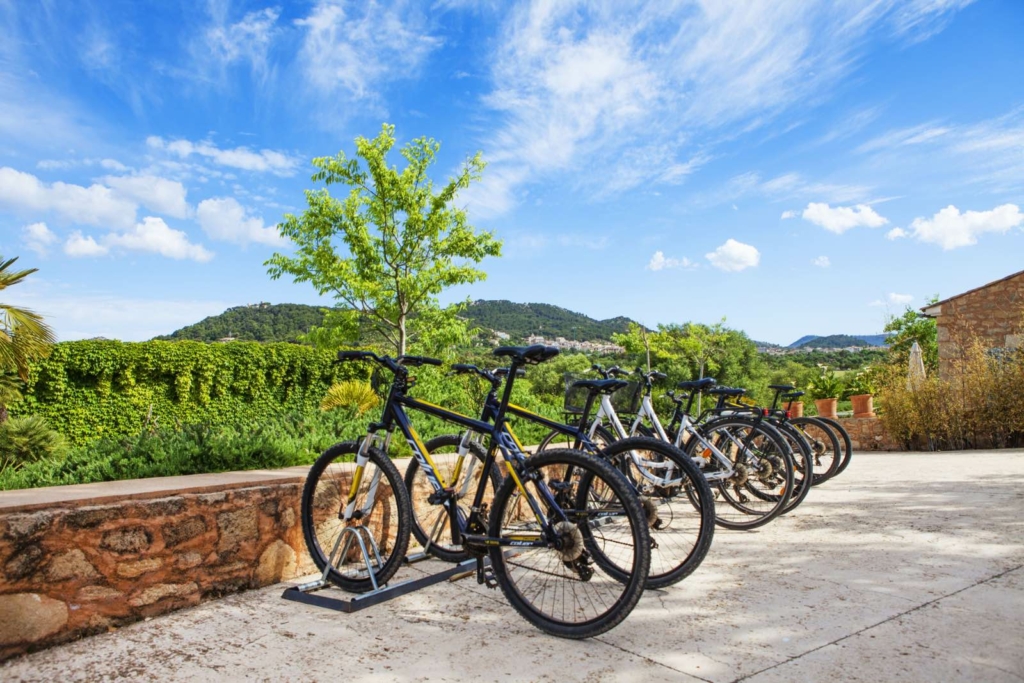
[[895, 234], [83, 246], [842, 218], [357, 48], [93, 205], [786, 215], [951, 229], [900, 299], [223, 44], [154, 236], [38, 238], [821, 262], [155, 193], [227, 220], [589, 86], [266, 160], [734, 256], [113, 165], [660, 262]]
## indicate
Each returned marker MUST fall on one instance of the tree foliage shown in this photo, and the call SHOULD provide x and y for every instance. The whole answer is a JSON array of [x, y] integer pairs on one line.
[[911, 326], [391, 246], [23, 334]]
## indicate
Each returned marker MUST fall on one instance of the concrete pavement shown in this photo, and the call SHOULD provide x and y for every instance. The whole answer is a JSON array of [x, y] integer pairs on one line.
[[907, 567]]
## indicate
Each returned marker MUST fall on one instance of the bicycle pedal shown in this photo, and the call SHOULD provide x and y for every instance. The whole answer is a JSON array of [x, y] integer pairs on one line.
[[485, 575]]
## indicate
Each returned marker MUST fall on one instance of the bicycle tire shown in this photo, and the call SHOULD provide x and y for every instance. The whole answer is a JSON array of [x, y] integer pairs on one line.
[[327, 484], [680, 541], [777, 473], [844, 437], [803, 461], [447, 551], [823, 440], [629, 526]]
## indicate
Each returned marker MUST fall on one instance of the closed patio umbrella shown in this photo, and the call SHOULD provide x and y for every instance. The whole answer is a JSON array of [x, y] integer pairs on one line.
[[915, 373]]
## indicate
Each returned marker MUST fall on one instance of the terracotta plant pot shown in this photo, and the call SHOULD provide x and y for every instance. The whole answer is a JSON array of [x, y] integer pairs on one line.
[[826, 407], [863, 405], [795, 408]]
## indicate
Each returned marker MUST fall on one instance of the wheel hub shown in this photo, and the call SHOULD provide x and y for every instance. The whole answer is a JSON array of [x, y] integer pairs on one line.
[[571, 540]]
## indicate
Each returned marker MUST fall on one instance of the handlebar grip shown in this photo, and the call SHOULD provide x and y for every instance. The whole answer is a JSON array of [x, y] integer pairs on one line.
[[416, 361], [460, 368], [658, 375], [352, 355]]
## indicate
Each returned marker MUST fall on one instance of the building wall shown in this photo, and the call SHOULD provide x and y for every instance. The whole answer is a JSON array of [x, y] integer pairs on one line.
[[994, 313]]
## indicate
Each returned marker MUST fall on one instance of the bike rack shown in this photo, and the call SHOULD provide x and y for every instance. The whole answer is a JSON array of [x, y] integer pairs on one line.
[[307, 592]]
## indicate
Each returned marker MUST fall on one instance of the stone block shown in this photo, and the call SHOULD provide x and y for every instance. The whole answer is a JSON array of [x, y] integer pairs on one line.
[[277, 562], [162, 591], [70, 565], [189, 560], [23, 562], [29, 617], [237, 527], [178, 532], [87, 518], [94, 593], [127, 539], [21, 527], [131, 570]]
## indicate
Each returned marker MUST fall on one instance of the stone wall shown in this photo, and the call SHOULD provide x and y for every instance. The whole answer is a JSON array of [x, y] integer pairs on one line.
[[993, 313], [867, 434], [80, 567]]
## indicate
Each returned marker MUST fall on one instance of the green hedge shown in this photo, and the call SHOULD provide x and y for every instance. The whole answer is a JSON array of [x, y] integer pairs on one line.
[[92, 389]]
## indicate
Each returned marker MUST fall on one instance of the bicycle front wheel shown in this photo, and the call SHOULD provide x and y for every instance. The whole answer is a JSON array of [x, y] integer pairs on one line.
[[354, 519], [828, 454], [560, 589]]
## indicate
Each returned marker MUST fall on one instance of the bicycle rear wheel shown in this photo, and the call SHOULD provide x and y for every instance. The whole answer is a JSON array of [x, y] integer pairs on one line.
[[678, 503], [828, 454], [803, 463], [431, 523], [762, 481], [379, 506], [844, 440], [560, 589]]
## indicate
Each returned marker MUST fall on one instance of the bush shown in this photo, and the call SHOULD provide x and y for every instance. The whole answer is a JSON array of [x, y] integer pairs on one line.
[[975, 405], [195, 449], [27, 439], [352, 394]]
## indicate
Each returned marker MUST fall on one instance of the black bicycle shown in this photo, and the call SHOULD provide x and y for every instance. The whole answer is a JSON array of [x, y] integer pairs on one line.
[[550, 530]]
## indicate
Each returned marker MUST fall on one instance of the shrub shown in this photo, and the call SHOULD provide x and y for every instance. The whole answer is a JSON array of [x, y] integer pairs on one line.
[[975, 405], [827, 385], [354, 395], [27, 439]]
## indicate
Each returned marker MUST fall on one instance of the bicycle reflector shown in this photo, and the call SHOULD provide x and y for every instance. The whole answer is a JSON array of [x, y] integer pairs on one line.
[[788, 415], [764, 412]]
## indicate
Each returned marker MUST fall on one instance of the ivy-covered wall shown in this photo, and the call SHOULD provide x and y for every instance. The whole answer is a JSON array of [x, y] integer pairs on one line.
[[90, 389]]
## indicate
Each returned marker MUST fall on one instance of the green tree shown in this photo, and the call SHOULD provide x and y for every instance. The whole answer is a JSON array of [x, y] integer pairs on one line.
[[388, 249], [23, 334], [913, 326]]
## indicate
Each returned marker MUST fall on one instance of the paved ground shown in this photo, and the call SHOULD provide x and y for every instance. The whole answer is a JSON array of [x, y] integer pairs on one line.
[[907, 567]]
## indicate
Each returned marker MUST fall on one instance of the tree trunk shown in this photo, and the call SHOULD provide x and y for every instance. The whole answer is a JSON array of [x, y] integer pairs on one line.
[[401, 336], [3, 414]]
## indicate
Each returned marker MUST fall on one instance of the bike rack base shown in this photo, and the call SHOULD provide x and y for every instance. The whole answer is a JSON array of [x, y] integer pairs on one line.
[[307, 592]]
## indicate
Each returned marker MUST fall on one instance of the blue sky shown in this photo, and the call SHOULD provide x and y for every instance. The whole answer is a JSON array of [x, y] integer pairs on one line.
[[798, 167]]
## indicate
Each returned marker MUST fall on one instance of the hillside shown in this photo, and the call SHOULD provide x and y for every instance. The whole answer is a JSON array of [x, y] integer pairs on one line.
[[261, 322], [838, 341], [286, 322], [522, 320]]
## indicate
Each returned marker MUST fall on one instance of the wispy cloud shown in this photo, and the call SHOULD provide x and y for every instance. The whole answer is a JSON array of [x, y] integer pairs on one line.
[[351, 51], [661, 262], [264, 160], [594, 86]]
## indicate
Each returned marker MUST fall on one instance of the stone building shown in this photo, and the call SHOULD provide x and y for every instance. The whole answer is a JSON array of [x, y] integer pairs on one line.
[[993, 312]]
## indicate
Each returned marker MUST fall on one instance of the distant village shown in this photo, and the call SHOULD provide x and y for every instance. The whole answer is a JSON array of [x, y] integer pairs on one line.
[[599, 347], [787, 351]]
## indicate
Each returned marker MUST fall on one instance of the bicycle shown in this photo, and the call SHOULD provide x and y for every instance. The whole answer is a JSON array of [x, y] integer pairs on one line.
[[736, 455], [675, 497], [548, 531]]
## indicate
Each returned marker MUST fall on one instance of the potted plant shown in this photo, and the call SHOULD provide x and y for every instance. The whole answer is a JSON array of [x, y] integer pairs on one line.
[[861, 392], [825, 391]]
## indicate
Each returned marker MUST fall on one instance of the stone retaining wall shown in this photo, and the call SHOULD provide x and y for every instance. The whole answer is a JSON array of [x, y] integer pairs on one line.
[[80, 567], [867, 434]]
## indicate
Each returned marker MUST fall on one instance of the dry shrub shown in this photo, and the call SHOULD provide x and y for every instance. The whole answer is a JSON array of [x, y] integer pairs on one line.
[[975, 404]]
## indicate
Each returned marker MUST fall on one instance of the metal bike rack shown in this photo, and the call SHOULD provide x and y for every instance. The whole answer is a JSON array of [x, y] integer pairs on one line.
[[308, 593]]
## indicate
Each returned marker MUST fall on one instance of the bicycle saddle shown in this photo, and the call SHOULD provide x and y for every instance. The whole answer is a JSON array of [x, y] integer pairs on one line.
[[600, 386], [727, 391], [697, 384], [793, 395], [781, 387], [538, 353]]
